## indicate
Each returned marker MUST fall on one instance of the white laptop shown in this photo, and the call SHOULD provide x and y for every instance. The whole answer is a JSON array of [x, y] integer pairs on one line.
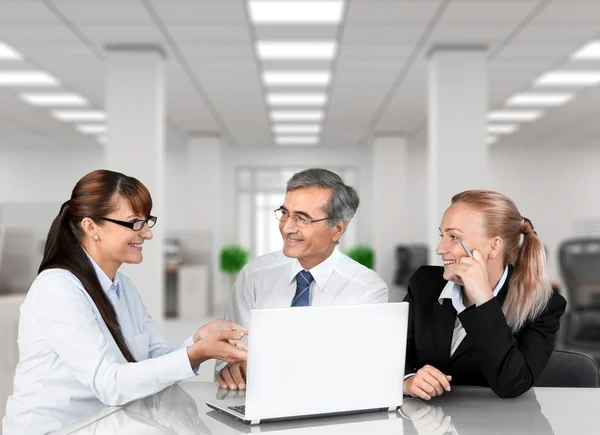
[[319, 361]]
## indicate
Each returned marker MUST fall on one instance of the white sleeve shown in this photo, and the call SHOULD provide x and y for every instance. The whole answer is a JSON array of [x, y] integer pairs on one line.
[[239, 305], [64, 317]]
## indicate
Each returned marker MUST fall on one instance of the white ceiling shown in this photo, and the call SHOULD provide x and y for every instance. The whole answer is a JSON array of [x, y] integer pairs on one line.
[[213, 75]]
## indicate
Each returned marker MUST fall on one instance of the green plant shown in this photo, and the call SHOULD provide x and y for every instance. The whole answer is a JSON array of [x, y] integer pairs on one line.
[[233, 258], [362, 254]]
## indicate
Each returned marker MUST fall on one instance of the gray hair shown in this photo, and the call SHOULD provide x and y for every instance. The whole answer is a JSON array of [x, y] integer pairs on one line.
[[344, 199]]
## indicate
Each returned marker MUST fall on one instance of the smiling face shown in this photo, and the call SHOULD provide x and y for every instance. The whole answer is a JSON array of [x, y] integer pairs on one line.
[[461, 222], [313, 244], [118, 244]]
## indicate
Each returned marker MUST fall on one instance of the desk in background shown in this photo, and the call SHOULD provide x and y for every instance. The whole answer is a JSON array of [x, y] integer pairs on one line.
[[181, 409]]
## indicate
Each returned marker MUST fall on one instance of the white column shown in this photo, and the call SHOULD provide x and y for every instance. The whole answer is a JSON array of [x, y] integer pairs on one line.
[[389, 202], [457, 154], [205, 209], [135, 104]]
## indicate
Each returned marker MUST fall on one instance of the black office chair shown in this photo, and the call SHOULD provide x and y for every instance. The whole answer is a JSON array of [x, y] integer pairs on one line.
[[569, 369], [408, 259], [579, 261]]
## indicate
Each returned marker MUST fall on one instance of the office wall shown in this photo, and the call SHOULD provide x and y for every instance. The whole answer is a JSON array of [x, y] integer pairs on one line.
[[553, 185]]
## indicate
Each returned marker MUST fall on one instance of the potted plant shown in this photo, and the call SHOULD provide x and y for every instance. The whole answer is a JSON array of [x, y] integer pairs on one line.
[[362, 254], [232, 259]]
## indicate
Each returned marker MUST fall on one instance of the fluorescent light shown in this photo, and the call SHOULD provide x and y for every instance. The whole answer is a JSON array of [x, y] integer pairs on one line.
[[281, 99], [54, 99], [91, 128], [297, 140], [540, 99], [102, 139], [569, 78], [297, 115], [502, 128], [79, 115], [296, 12], [514, 115], [26, 78], [589, 51], [318, 50], [9, 53], [491, 139], [296, 128], [296, 78]]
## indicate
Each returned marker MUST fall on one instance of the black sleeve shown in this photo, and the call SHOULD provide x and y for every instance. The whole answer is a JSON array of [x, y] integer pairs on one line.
[[411, 363], [510, 363]]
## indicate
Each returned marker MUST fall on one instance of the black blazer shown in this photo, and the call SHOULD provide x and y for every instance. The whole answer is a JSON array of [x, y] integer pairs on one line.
[[490, 354]]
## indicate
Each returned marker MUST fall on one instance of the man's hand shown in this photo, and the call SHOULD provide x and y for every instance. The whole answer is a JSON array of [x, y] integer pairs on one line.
[[427, 383], [233, 376], [427, 419]]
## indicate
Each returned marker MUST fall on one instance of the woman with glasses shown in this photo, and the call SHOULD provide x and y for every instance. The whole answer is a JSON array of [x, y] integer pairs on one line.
[[85, 338]]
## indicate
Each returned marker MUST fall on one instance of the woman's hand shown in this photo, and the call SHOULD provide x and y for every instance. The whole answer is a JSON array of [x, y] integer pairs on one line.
[[218, 325], [476, 282], [224, 345], [427, 383]]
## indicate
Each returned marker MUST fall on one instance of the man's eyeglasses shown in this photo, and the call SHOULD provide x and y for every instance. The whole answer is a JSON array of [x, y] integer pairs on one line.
[[300, 221], [136, 225]]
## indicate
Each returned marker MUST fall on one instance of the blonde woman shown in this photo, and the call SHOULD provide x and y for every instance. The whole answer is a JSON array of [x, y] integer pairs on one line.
[[488, 317]]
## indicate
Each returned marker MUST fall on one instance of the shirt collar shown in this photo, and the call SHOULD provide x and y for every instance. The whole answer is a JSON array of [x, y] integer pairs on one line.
[[452, 291], [107, 285], [321, 272]]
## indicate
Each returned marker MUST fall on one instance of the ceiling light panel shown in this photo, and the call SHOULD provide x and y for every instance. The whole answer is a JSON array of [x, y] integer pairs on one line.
[[313, 50], [91, 128], [514, 115], [297, 115], [9, 53], [540, 99], [297, 78], [27, 78], [290, 99], [569, 78], [296, 12], [296, 128], [502, 128], [54, 99], [79, 115], [297, 140], [590, 51]]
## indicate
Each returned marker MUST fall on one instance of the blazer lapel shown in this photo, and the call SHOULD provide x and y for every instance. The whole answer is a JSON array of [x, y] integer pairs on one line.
[[444, 318], [465, 345]]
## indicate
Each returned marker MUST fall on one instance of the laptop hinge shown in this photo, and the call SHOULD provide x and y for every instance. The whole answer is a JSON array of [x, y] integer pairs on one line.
[[254, 421]]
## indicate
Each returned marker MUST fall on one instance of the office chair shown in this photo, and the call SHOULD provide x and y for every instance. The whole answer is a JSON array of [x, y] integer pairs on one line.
[[579, 261], [569, 369], [408, 259]]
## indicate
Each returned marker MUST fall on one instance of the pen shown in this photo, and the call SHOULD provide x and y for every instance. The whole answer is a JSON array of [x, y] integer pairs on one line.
[[465, 248]]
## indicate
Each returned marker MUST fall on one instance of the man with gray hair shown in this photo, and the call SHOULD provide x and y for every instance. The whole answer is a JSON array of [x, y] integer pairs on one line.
[[318, 207]]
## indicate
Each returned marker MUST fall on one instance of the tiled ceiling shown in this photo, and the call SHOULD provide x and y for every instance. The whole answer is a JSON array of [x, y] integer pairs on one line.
[[214, 80]]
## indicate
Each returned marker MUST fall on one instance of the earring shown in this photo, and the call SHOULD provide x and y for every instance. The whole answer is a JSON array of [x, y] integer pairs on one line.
[[96, 238]]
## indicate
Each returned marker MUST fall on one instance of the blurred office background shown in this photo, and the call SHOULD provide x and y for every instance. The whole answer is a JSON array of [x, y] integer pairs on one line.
[[213, 104]]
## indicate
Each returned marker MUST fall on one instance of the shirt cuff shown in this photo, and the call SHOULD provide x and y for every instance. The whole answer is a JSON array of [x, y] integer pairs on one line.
[[410, 375], [187, 343]]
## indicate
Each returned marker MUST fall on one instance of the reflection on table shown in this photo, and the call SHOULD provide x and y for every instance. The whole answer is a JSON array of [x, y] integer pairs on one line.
[[181, 409]]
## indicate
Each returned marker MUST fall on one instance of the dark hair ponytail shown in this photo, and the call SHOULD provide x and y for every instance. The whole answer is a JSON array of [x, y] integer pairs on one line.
[[94, 195]]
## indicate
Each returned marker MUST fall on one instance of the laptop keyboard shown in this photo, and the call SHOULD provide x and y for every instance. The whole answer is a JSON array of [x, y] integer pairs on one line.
[[240, 409]]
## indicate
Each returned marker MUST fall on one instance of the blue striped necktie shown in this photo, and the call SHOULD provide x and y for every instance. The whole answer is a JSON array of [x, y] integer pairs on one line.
[[302, 296]]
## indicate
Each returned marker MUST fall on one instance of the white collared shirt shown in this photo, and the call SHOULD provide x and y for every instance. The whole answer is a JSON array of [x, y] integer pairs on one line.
[[69, 365], [270, 282], [453, 291]]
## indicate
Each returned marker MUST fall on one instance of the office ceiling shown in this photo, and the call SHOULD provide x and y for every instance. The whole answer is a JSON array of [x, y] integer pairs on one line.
[[379, 76]]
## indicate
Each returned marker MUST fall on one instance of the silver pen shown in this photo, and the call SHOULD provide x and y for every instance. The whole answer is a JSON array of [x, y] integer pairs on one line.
[[465, 248]]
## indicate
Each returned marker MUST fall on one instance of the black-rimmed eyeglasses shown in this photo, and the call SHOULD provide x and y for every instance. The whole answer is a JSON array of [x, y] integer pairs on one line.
[[136, 225], [300, 221]]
